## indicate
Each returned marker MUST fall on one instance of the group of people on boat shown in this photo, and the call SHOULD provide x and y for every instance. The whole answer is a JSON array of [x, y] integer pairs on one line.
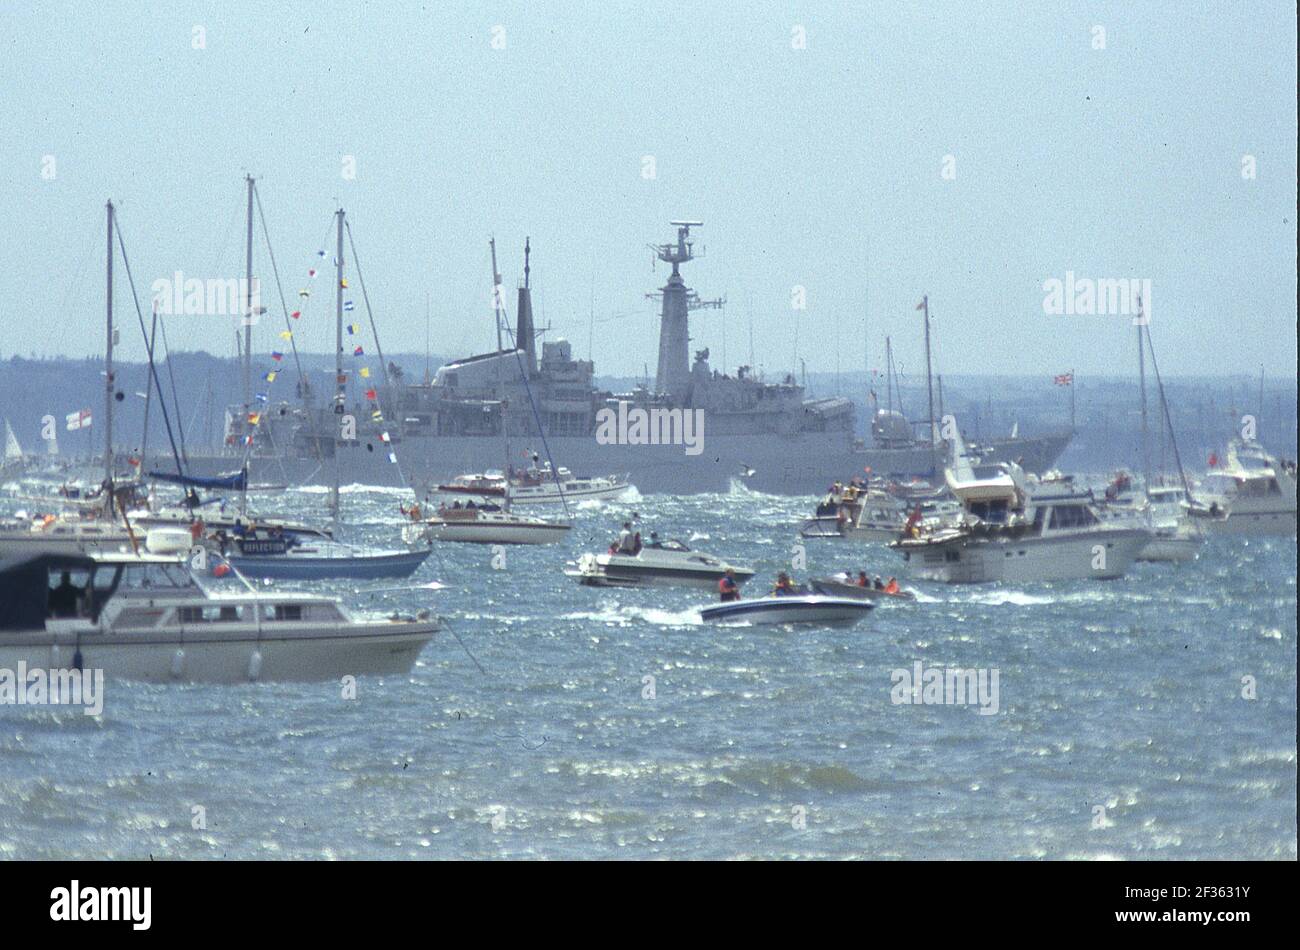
[[888, 587]]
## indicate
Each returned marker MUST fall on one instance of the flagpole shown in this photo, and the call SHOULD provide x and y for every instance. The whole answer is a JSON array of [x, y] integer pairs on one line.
[[1072, 429]]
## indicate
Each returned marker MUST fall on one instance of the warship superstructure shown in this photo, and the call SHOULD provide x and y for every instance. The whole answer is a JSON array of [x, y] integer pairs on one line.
[[768, 435]]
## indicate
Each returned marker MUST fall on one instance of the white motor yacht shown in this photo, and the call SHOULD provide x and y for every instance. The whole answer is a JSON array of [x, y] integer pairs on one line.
[[148, 617], [1253, 493], [486, 524], [1009, 533], [659, 563]]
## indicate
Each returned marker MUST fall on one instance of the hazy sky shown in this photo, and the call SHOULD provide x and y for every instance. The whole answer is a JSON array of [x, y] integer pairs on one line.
[[819, 167]]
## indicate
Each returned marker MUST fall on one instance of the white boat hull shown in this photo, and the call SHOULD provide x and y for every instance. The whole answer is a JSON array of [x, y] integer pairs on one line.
[[1101, 555], [1244, 522], [804, 609], [488, 532], [1171, 549], [311, 653]]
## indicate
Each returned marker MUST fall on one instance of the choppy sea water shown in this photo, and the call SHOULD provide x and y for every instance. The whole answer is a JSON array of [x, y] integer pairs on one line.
[[1121, 732]]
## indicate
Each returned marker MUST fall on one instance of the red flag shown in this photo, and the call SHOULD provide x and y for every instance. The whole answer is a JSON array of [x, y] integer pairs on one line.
[[1214, 460], [371, 394]]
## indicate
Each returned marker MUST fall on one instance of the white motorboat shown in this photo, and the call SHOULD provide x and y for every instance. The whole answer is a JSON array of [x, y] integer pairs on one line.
[[537, 485], [659, 563], [488, 524], [873, 515], [148, 617], [790, 609], [63, 534], [1253, 493], [1008, 533]]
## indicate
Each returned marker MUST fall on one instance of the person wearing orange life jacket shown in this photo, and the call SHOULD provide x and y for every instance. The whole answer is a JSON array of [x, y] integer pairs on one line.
[[892, 586], [862, 579], [728, 589], [784, 586]]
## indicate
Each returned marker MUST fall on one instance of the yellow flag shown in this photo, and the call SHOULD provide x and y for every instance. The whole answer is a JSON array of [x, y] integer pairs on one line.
[[365, 373]]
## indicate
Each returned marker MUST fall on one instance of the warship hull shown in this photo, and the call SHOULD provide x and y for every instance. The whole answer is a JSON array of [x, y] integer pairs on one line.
[[795, 465]]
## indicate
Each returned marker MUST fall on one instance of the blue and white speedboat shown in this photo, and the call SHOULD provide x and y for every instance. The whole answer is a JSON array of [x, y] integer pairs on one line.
[[797, 608]]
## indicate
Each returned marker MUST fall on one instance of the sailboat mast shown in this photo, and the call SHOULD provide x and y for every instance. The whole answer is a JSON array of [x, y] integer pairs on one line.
[[108, 368], [929, 385], [340, 381], [1142, 390], [248, 305], [501, 396]]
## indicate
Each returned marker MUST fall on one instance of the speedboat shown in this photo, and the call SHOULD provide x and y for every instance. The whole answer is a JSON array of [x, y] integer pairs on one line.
[[658, 563], [1253, 493], [488, 524], [277, 556], [790, 608], [149, 617], [842, 585]]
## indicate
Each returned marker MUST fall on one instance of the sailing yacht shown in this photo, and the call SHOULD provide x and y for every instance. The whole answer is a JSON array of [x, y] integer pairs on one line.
[[1012, 530], [492, 523], [539, 484], [149, 617], [1252, 493]]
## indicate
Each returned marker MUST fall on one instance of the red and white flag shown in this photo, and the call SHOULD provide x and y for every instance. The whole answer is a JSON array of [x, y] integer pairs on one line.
[[78, 420], [1065, 379]]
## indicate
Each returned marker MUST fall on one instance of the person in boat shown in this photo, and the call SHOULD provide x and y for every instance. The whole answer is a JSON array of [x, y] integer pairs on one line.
[[636, 543], [862, 579], [892, 586], [784, 586], [878, 584], [64, 598], [728, 589], [654, 540], [625, 541]]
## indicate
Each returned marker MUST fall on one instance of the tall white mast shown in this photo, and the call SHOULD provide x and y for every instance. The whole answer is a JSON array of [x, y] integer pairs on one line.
[[109, 382]]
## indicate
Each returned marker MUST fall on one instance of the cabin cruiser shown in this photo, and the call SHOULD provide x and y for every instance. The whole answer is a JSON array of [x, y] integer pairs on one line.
[[149, 617], [1253, 493], [483, 524], [658, 563], [1166, 511], [789, 609], [1008, 532]]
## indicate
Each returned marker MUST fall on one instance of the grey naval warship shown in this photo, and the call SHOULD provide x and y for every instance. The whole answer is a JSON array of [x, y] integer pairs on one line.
[[765, 435]]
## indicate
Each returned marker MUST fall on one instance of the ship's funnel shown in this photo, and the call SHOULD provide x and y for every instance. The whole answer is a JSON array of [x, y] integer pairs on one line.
[[524, 336]]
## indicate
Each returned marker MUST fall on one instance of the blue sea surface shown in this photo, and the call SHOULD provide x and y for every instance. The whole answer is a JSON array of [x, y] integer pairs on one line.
[[551, 720]]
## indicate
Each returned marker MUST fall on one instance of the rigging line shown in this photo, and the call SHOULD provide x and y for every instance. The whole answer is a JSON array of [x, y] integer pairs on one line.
[[176, 401], [153, 369], [247, 453], [537, 418], [1164, 405], [266, 236], [379, 351]]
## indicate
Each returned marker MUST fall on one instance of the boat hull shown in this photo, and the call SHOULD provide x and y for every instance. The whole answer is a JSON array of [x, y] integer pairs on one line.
[[809, 609], [309, 654], [486, 532], [801, 464], [1101, 555], [1270, 523], [397, 564]]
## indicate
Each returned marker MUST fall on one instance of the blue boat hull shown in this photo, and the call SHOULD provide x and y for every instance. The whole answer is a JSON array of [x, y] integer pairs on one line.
[[289, 568]]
